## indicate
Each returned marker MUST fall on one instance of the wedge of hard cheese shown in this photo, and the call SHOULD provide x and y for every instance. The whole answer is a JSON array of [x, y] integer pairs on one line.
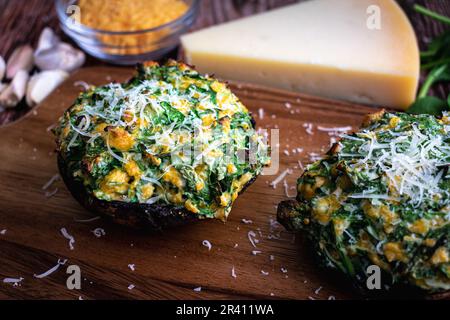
[[357, 50]]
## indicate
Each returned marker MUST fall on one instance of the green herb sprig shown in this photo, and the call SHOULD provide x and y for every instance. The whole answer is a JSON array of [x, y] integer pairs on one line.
[[435, 60]]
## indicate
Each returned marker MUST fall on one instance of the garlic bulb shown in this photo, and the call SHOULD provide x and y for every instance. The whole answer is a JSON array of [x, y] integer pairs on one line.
[[15, 91], [53, 57], [42, 84], [20, 59]]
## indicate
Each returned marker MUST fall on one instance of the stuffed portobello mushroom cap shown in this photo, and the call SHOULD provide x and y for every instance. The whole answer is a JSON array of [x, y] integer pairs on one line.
[[381, 197], [168, 147]]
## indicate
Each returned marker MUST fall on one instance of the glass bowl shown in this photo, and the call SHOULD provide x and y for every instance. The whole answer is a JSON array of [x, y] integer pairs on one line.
[[125, 47]]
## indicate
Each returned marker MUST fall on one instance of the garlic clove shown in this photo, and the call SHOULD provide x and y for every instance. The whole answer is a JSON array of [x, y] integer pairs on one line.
[[31, 85], [2, 68], [15, 91], [48, 39], [52, 54], [21, 59], [61, 57], [44, 83], [19, 83], [2, 87]]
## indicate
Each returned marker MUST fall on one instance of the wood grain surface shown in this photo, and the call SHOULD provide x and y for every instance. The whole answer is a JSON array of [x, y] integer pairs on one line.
[[21, 21], [172, 263]]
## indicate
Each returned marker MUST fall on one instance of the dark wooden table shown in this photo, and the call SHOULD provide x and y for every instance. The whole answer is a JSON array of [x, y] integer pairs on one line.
[[21, 21]]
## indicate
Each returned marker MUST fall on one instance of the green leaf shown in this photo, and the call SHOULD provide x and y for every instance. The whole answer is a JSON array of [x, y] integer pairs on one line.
[[432, 14], [436, 59], [429, 105], [432, 64], [436, 48], [172, 114], [440, 73]]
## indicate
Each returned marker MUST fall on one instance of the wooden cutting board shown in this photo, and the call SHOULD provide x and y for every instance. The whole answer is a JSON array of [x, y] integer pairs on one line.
[[168, 265]]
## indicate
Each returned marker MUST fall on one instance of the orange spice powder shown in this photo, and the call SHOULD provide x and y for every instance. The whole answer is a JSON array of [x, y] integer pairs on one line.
[[125, 15]]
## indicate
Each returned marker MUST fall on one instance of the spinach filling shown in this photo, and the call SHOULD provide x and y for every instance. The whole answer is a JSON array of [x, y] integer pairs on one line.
[[381, 196], [168, 135]]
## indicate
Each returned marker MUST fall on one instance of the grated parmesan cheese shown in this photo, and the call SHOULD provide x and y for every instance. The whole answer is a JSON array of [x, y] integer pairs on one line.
[[261, 113], [286, 189], [245, 221], [233, 273], [87, 220], [52, 180], [308, 128], [83, 84], [14, 281], [68, 237], [334, 129], [313, 156], [99, 232], [251, 237], [277, 180], [207, 244], [52, 270], [49, 194], [413, 162]]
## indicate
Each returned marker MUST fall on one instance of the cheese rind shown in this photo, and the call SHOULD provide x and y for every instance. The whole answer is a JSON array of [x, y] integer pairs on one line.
[[321, 47]]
